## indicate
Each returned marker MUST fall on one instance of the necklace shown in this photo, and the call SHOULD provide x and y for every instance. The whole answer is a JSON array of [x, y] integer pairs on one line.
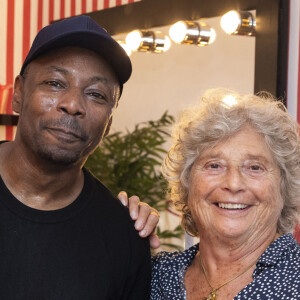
[[213, 294]]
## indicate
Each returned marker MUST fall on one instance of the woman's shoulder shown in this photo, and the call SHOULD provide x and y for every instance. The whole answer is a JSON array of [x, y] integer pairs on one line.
[[165, 259], [168, 269], [290, 252]]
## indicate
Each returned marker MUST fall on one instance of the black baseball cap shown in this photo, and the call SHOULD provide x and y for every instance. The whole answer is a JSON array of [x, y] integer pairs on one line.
[[81, 31]]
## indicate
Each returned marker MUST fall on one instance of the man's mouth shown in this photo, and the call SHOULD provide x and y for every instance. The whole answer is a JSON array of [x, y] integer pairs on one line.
[[65, 135], [232, 206], [66, 132], [66, 128]]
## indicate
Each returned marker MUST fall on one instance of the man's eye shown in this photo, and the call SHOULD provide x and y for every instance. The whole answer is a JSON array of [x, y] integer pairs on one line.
[[96, 95], [53, 83]]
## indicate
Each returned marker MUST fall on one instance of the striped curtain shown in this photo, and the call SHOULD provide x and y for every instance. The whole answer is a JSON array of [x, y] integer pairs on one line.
[[20, 20]]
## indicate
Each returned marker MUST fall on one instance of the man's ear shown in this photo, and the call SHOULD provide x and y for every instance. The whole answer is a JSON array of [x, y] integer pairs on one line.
[[108, 126], [17, 96]]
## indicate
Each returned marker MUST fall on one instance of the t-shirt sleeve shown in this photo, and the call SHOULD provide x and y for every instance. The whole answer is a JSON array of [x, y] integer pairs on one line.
[[139, 276]]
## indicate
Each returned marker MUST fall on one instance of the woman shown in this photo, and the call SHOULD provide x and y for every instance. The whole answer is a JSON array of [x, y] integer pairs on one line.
[[234, 172]]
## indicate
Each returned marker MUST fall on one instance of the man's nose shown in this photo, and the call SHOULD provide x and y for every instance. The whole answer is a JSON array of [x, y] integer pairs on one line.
[[72, 103], [234, 180]]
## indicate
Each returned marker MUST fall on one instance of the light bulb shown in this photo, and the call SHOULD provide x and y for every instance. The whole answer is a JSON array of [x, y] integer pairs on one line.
[[177, 31], [230, 21], [133, 39]]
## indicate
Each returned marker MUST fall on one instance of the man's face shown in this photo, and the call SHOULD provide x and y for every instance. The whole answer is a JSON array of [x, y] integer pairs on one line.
[[65, 103]]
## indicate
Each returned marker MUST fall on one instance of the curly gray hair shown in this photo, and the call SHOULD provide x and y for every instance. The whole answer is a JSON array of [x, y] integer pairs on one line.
[[211, 121]]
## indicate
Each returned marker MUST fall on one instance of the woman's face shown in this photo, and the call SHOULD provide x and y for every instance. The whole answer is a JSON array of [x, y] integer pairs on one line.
[[234, 188]]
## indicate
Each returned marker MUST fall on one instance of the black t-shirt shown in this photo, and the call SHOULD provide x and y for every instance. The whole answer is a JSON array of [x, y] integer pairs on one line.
[[88, 250]]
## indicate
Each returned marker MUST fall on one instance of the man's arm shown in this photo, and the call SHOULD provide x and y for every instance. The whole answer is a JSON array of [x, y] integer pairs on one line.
[[139, 274], [146, 217]]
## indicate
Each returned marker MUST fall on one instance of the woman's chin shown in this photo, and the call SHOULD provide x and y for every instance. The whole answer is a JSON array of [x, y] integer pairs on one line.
[[232, 230]]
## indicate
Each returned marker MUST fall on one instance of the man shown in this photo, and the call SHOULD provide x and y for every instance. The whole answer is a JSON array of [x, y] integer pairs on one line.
[[63, 235]]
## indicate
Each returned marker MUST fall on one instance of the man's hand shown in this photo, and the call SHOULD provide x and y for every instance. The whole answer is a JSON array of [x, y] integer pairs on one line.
[[146, 217]]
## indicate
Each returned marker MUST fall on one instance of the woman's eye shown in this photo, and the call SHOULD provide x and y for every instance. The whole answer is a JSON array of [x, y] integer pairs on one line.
[[255, 168], [214, 166]]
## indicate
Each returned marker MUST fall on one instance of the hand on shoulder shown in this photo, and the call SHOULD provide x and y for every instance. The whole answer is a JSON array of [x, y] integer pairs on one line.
[[146, 217]]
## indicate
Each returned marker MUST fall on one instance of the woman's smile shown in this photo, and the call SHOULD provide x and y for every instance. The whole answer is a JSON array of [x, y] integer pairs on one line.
[[232, 206]]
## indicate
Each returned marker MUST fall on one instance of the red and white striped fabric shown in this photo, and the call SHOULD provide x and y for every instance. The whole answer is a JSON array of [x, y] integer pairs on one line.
[[20, 20]]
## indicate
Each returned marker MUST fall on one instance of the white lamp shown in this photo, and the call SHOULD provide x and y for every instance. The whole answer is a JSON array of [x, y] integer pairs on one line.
[[148, 41], [238, 22], [189, 32]]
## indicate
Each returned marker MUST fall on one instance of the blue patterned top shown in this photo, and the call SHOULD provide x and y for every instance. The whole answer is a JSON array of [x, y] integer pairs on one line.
[[276, 276]]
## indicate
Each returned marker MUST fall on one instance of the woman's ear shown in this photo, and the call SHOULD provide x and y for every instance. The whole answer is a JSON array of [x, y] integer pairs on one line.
[[17, 95]]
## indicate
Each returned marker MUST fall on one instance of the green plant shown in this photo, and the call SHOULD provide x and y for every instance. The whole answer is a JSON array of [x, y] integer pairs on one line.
[[131, 161], [177, 232]]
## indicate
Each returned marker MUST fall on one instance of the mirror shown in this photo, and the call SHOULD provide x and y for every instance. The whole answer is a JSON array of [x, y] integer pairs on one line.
[[175, 79]]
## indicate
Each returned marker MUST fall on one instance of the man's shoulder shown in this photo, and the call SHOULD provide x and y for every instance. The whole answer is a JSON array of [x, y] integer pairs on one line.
[[100, 193], [107, 210]]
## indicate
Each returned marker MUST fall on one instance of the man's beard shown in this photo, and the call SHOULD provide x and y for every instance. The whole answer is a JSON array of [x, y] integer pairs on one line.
[[57, 156], [60, 155]]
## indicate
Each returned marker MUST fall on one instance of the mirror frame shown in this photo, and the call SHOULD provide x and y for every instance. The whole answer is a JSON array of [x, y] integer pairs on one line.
[[272, 24]]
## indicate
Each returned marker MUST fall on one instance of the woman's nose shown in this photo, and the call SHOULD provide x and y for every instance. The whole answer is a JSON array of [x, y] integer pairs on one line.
[[72, 103], [234, 180]]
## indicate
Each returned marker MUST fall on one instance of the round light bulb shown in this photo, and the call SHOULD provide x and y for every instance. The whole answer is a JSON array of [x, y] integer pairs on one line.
[[230, 21], [133, 39], [177, 31]]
